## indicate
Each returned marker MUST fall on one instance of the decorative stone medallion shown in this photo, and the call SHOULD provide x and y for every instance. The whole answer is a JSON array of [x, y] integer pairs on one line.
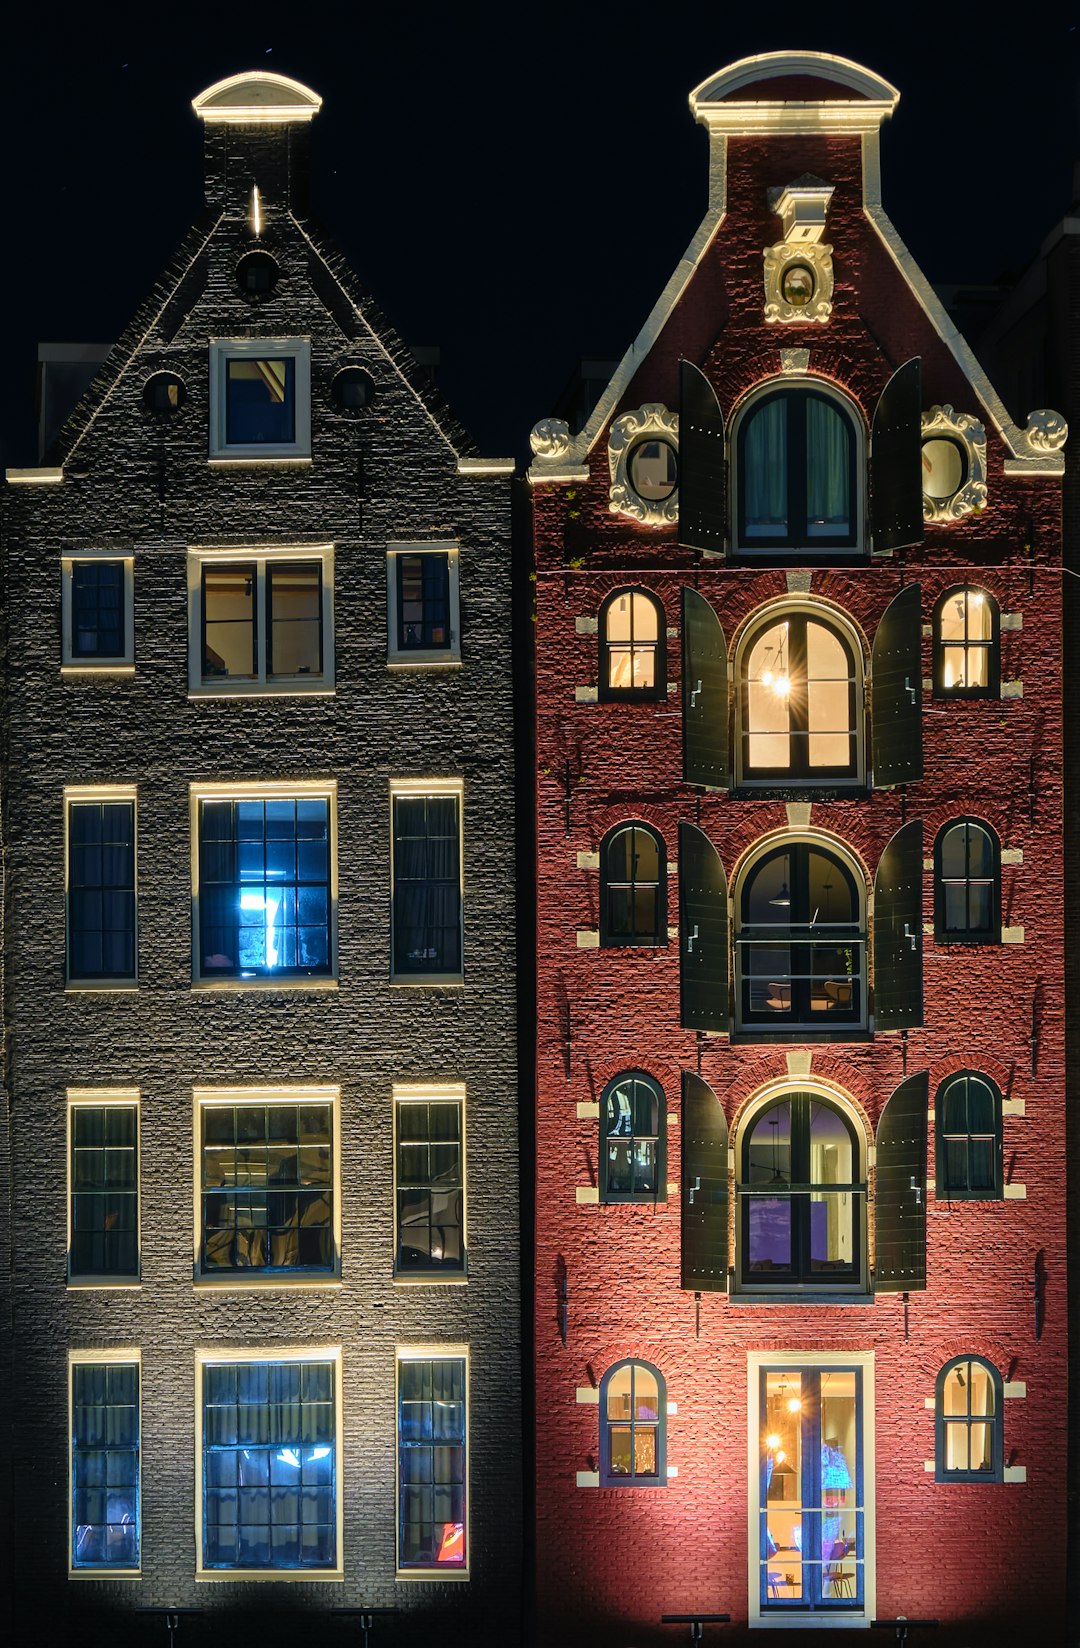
[[643, 457], [953, 464], [798, 282]]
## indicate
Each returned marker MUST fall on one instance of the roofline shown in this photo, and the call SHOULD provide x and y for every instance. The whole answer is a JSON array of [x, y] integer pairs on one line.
[[873, 99], [306, 105]]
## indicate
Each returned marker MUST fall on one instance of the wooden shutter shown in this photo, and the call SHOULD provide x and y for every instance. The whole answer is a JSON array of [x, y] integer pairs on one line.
[[704, 1188], [900, 1254], [704, 693], [702, 468], [898, 935], [896, 514], [703, 933], [896, 691]]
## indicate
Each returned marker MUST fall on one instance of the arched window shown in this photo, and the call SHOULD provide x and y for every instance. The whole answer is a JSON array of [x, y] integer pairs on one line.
[[633, 886], [800, 702], [967, 880], [631, 632], [969, 1421], [797, 473], [633, 1426], [632, 1118], [967, 651], [801, 1195], [968, 1111], [800, 945]]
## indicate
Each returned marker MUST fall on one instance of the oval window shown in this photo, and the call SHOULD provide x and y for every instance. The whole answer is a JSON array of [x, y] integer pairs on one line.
[[797, 285], [654, 470], [257, 274], [943, 468], [353, 389], [164, 394]]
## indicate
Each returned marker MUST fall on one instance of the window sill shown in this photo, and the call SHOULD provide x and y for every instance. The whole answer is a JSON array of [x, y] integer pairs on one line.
[[101, 1284], [255, 1283], [430, 1576], [259, 460], [120, 667], [210, 985], [432, 1278], [319, 688], [801, 1296], [91, 987], [797, 1035], [423, 660], [820, 1619], [104, 1573], [424, 981], [799, 789], [232, 1576]]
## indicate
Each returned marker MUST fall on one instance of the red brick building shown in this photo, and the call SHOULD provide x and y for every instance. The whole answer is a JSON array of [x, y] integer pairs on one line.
[[800, 1259]]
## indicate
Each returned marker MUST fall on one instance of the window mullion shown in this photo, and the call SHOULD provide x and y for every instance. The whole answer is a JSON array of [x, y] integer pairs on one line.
[[261, 620]]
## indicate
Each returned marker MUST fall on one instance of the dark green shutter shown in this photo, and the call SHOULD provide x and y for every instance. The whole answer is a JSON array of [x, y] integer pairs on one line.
[[896, 515], [898, 936], [896, 691], [702, 468], [703, 933], [704, 1193], [704, 693], [900, 1254]]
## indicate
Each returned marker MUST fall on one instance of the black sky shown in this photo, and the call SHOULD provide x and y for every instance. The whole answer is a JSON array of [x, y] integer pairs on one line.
[[514, 184]]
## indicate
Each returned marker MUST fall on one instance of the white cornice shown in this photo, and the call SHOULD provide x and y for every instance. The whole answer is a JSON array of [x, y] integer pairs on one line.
[[716, 105], [34, 477], [485, 466], [256, 98]]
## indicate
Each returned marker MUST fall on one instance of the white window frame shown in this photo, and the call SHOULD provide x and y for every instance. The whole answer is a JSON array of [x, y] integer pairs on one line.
[[123, 663], [125, 1353], [433, 1093], [423, 657], [429, 786], [262, 685], [223, 350], [264, 790], [73, 795], [429, 1353], [205, 1098], [817, 1620], [94, 1098], [263, 1353]]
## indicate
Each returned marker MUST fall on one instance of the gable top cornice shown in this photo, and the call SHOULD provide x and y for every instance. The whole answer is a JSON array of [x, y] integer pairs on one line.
[[832, 94], [256, 98]]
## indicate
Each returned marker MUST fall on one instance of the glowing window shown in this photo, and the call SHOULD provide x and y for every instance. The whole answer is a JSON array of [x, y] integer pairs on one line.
[[969, 1422], [266, 1189], [653, 468], [633, 1427], [432, 1436], [264, 623], [967, 658], [631, 631], [800, 699], [104, 1395]]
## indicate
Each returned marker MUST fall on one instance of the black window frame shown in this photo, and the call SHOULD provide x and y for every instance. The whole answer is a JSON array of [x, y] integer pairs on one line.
[[800, 1191], [74, 571], [79, 889], [655, 937], [946, 1189], [403, 648], [112, 1200], [967, 935], [658, 1139], [797, 539], [995, 1472], [992, 647], [609, 694], [619, 1479], [435, 969], [429, 1268], [800, 771]]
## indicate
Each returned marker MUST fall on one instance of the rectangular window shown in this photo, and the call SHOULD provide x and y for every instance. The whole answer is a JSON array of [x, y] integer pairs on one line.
[[267, 1206], [103, 1187], [261, 623], [104, 1407], [264, 883], [422, 599], [427, 881], [429, 1172], [101, 934], [97, 612], [812, 1537], [260, 399], [433, 1468], [269, 1477]]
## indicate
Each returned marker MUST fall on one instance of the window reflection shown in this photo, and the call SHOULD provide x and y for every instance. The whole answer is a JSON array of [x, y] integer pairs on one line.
[[800, 1194], [800, 946], [631, 1425]]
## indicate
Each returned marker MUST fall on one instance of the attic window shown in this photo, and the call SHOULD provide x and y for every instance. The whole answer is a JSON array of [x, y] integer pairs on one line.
[[654, 470], [353, 389], [164, 394], [260, 399], [257, 274]]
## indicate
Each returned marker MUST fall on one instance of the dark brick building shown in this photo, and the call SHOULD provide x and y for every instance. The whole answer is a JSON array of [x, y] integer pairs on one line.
[[259, 986], [800, 1214]]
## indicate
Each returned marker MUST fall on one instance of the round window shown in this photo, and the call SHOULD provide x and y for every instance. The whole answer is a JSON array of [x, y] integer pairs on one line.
[[654, 470], [257, 274], [797, 285], [353, 389], [944, 467], [164, 394]]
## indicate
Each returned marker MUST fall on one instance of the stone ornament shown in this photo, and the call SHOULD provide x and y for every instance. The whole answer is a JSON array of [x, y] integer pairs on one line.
[[794, 362], [1046, 431], [550, 438], [652, 421], [787, 297], [966, 432]]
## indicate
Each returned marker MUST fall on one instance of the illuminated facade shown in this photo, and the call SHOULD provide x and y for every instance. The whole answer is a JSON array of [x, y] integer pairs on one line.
[[800, 1215], [259, 960]]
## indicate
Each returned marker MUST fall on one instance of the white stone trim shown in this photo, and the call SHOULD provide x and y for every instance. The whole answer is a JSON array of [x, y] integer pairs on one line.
[[1014, 1389], [1013, 1107], [588, 1396], [1012, 935], [1012, 689], [588, 861], [586, 695], [34, 477], [1015, 1192], [586, 626], [1012, 620], [588, 938], [1015, 1473], [588, 1111], [651, 421], [965, 431], [481, 467], [256, 98], [588, 1479], [1012, 855], [587, 1196]]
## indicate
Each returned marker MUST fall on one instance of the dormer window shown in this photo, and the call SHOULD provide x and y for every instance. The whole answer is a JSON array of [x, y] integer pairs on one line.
[[260, 399], [797, 488]]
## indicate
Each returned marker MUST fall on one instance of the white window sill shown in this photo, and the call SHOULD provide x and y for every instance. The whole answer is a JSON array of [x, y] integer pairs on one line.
[[802, 1296], [101, 1284], [426, 981], [211, 984], [318, 687], [258, 1284], [231, 1576], [423, 660], [109, 667], [259, 458], [433, 1278], [428, 1576], [104, 1573], [82, 987]]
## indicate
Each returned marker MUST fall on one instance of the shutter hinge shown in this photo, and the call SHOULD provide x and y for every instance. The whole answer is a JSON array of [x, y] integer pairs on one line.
[[690, 942], [909, 689], [917, 1188], [910, 936], [695, 694]]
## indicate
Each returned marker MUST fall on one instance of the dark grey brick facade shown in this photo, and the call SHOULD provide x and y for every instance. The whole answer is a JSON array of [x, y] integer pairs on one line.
[[144, 488]]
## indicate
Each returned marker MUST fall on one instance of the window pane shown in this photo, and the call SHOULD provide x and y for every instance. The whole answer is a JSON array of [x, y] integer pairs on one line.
[[97, 609], [105, 1465], [423, 601], [653, 470], [430, 1199], [260, 401], [229, 639], [264, 887], [266, 1202], [764, 470], [769, 1233], [427, 885], [294, 594], [827, 469]]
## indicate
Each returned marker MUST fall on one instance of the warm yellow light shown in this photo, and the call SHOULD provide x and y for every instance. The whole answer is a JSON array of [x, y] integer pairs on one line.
[[976, 598], [782, 686], [794, 1404], [780, 1456], [767, 678], [772, 1440], [948, 674], [256, 211]]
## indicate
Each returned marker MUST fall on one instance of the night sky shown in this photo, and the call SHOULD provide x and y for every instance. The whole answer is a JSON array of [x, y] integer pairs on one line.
[[513, 183]]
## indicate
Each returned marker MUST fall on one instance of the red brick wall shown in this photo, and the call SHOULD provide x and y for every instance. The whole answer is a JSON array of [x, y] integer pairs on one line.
[[609, 1562]]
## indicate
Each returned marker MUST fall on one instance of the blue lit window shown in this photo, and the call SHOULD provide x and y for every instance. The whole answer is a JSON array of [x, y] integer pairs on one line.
[[432, 1463], [105, 1465], [269, 1465], [101, 891], [264, 893]]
